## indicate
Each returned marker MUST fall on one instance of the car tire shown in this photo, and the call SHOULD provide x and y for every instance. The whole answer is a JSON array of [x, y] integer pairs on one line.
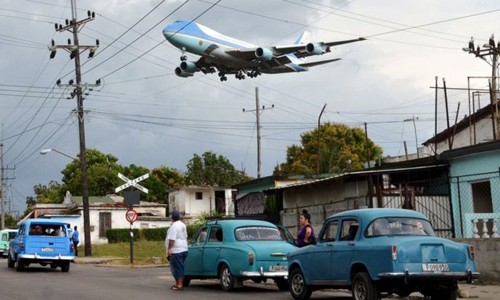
[[10, 262], [297, 285], [19, 265], [65, 266], [282, 284], [363, 287], [226, 279]]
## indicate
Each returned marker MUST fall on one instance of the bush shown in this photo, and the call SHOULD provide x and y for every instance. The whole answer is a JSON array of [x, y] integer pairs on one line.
[[147, 234]]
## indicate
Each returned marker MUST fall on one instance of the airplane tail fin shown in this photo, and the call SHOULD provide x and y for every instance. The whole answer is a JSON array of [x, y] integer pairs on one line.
[[303, 38]]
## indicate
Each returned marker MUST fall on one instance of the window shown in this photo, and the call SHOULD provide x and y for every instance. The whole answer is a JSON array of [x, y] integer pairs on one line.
[[104, 223], [199, 196], [200, 239], [330, 232], [215, 234], [349, 230]]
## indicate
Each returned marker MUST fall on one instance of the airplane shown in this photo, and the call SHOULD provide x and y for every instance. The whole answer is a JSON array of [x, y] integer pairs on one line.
[[227, 55]]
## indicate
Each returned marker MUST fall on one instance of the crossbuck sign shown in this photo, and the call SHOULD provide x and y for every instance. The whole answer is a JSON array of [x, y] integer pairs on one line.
[[134, 183]]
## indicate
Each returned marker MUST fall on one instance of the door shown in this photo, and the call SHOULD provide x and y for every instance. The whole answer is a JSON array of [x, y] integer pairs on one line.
[[194, 262]]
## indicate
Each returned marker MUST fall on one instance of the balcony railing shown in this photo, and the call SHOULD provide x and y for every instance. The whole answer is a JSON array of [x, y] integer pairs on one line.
[[482, 225]]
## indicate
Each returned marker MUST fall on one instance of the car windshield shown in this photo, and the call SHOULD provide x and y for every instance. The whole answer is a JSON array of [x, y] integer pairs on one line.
[[399, 226], [257, 233]]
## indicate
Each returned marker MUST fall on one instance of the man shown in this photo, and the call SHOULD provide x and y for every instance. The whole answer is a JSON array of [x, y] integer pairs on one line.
[[177, 249], [76, 240]]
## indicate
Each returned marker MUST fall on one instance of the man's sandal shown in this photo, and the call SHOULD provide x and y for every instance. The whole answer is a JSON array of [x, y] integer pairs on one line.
[[176, 288]]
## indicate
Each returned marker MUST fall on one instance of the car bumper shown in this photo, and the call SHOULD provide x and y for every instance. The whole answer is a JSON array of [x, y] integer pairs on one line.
[[45, 257], [262, 273], [411, 276]]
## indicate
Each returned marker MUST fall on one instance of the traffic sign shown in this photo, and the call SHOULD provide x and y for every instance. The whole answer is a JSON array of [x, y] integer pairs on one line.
[[131, 215], [134, 183]]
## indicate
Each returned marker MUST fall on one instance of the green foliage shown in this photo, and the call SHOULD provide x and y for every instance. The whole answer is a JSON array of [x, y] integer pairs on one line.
[[154, 234], [53, 193], [211, 169], [121, 235], [204, 217], [341, 149]]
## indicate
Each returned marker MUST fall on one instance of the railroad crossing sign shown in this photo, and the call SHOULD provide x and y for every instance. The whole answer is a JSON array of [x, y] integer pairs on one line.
[[134, 183], [131, 215]]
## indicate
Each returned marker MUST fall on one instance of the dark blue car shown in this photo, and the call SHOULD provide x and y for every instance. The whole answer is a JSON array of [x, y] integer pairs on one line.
[[375, 251]]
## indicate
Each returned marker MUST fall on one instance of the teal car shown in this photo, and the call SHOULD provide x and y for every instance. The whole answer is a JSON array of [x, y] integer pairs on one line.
[[381, 251], [6, 236], [237, 250]]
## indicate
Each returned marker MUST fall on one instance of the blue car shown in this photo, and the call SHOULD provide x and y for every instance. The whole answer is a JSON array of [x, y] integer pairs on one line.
[[41, 241], [376, 251], [236, 250]]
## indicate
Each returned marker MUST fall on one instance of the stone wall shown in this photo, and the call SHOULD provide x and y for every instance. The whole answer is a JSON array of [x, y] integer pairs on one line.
[[487, 258]]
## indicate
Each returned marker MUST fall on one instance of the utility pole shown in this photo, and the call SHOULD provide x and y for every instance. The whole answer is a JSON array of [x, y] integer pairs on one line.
[[257, 114], [318, 141], [3, 188], [492, 51], [74, 49]]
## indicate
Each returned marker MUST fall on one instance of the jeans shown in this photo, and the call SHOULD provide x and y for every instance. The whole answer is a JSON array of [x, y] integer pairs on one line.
[[177, 264]]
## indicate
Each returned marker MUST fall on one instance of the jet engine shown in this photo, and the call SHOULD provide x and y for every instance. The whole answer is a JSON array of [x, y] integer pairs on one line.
[[179, 72], [189, 66], [314, 48], [264, 53]]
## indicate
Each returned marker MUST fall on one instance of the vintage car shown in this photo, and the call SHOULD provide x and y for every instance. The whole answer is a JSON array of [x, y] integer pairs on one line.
[[41, 241], [380, 251], [6, 236], [236, 250]]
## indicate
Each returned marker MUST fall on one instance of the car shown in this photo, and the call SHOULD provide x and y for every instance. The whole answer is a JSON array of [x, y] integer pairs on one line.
[[6, 236], [375, 251], [41, 241], [235, 250]]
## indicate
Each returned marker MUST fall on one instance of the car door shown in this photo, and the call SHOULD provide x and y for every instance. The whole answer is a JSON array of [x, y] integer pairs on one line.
[[194, 263], [212, 250], [319, 267], [344, 249]]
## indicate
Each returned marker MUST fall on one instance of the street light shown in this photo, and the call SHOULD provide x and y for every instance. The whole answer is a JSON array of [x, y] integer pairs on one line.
[[45, 151]]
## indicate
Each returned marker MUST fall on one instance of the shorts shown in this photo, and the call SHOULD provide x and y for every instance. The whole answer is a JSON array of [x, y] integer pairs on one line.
[[177, 264]]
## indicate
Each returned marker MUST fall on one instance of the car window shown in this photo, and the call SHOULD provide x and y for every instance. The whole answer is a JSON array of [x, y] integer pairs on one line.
[[216, 234], [399, 226], [202, 236], [330, 232], [257, 233], [349, 229]]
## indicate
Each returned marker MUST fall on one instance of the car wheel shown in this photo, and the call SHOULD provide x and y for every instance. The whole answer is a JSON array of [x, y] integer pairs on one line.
[[282, 284], [65, 266], [186, 281], [10, 262], [363, 287], [226, 279], [19, 265], [445, 294], [298, 287]]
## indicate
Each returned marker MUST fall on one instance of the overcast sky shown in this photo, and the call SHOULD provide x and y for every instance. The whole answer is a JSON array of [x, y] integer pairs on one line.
[[145, 115]]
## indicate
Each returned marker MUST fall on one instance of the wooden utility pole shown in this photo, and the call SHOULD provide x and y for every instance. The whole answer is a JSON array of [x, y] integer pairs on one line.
[[319, 139], [74, 49]]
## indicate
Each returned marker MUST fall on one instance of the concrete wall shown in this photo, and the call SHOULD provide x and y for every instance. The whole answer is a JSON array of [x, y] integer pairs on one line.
[[487, 258]]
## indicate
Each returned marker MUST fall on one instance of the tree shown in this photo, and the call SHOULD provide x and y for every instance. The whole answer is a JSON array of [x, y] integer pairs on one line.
[[341, 149], [212, 170]]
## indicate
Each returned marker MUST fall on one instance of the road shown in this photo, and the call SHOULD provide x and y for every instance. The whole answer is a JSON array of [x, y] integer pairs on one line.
[[123, 283]]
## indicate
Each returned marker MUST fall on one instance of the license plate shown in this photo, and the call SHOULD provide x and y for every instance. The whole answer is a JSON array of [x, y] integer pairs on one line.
[[435, 267], [278, 268], [47, 249]]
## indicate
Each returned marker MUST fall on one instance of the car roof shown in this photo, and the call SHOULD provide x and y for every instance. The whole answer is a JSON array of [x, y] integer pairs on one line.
[[235, 223], [373, 213], [43, 221]]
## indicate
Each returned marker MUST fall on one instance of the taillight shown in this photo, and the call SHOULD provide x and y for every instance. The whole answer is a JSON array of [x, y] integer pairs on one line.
[[472, 252], [394, 252], [250, 258]]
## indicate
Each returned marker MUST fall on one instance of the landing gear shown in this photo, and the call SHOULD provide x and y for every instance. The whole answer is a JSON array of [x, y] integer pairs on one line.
[[240, 75], [254, 73], [183, 57], [222, 76]]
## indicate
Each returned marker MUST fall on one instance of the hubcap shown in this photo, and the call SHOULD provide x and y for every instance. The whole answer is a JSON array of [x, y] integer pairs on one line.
[[297, 284]]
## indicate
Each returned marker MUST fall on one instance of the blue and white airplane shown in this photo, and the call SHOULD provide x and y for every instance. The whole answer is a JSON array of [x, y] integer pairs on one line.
[[227, 55]]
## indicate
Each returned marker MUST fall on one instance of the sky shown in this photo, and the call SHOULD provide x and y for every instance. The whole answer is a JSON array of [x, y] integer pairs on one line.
[[144, 114]]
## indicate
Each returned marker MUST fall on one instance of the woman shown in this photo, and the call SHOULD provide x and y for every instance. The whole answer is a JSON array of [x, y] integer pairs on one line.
[[306, 233]]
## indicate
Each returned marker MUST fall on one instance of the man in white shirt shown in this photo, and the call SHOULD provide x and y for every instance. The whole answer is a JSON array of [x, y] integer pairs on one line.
[[177, 250]]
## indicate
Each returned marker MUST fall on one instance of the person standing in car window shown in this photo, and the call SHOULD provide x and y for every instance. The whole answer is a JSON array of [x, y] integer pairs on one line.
[[306, 233]]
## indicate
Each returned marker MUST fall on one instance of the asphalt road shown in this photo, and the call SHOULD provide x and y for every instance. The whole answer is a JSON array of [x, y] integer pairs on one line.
[[85, 281]]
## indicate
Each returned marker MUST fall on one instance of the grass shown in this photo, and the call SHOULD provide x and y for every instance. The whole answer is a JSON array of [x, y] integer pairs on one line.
[[145, 252]]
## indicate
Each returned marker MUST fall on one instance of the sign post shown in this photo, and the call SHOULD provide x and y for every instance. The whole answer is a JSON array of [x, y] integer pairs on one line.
[[130, 198]]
